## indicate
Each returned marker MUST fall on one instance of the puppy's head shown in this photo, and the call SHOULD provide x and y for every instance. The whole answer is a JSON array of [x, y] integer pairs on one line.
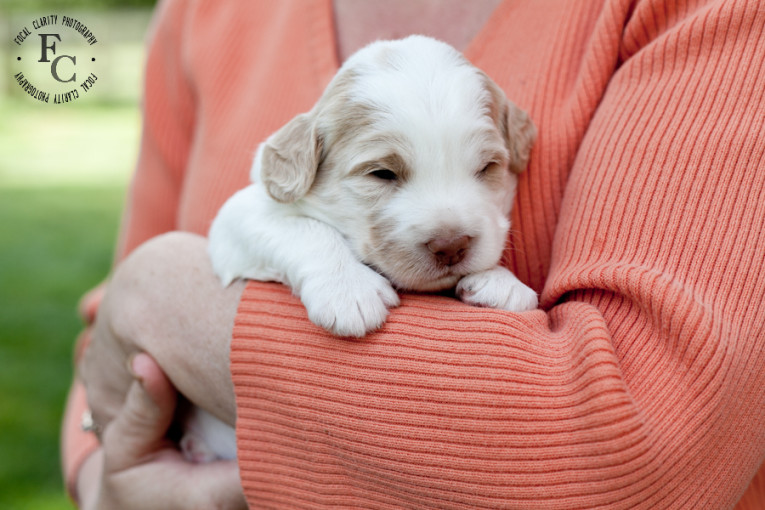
[[412, 154]]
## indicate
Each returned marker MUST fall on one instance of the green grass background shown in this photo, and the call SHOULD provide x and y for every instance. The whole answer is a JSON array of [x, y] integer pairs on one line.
[[56, 242]]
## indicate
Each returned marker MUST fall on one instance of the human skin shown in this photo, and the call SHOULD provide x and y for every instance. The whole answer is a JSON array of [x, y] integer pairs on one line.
[[139, 468], [164, 300]]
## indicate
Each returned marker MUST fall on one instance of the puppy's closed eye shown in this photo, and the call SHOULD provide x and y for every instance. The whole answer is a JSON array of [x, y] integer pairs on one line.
[[488, 168], [384, 174], [390, 169]]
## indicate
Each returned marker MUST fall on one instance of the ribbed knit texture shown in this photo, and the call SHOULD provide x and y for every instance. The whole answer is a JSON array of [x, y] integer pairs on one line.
[[641, 222]]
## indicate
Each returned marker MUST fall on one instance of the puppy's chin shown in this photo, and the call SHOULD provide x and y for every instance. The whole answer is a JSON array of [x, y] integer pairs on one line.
[[416, 269], [434, 285], [427, 279]]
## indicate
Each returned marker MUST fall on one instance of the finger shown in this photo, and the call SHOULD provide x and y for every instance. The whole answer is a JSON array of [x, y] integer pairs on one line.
[[156, 384], [169, 482], [219, 484], [88, 305], [140, 426]]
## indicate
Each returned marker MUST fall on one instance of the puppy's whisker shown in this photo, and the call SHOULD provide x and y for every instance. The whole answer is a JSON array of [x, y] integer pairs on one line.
[[513, 238]]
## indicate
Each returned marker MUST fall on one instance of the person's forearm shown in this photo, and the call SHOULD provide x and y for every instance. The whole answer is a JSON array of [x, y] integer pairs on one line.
[[165, 300]]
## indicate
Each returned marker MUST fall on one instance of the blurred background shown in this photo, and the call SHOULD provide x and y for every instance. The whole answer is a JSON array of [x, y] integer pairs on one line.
[[64, 169]]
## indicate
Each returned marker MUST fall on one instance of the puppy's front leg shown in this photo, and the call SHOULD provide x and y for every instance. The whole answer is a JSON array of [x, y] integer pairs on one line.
[[341, 294], [496, 288], [254, 237]]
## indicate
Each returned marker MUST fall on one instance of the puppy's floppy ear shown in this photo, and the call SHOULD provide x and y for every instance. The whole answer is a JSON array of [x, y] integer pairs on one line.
[[290, 159], [520, 138], [515, 125]]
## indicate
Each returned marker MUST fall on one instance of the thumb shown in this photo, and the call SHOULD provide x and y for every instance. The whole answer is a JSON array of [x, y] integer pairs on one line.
[[140, 426]]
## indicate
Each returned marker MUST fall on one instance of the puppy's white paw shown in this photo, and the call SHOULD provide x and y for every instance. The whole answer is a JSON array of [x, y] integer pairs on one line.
[[496, 288], [352, 304]]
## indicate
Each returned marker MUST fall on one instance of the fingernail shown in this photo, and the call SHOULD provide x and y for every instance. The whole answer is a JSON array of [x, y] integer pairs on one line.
[[132, 363]]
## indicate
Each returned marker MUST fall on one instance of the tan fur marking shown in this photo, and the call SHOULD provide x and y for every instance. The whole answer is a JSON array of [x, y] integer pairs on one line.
[[522, 133], [516, 126], [291, 159]]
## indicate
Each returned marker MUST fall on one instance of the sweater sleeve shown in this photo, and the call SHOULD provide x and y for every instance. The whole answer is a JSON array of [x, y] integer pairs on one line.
[[153, 198], [639, 382]]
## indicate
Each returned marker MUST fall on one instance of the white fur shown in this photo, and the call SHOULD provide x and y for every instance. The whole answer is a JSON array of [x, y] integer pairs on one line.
[[206, 438], [349, 238]]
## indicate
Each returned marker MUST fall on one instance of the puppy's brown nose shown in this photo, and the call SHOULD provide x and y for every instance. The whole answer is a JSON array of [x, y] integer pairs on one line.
[[449, 250]]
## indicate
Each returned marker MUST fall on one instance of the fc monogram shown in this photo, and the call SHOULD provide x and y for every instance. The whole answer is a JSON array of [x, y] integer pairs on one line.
[[63, 42]]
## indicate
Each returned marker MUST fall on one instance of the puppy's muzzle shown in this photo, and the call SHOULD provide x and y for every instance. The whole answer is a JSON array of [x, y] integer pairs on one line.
[[450, 250]]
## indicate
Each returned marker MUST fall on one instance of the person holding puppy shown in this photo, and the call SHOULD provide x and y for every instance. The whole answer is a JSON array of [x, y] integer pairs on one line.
[[638, 222]]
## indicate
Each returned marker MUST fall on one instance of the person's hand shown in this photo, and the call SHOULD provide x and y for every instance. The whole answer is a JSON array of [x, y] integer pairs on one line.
[[165, 300], [138, 468]]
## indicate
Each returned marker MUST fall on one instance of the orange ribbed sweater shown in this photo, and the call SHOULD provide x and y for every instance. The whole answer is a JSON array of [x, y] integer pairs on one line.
[[641, 222]]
